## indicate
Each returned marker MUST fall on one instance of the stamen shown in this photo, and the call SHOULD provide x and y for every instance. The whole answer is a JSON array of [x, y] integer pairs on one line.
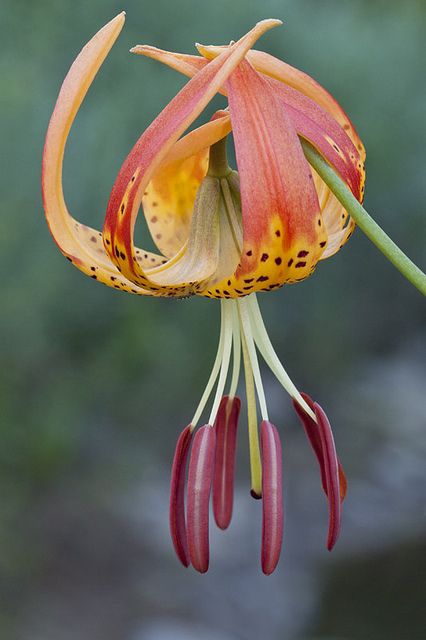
[[265, 347], [214, 372], [246, 331], [313, 435], [223, 481], [177, 497], [331, 476], [200, 476], [273, 517], [236, 352], [227, 306]]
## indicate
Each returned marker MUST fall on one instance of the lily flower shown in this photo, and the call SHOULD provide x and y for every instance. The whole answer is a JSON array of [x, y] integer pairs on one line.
[[222, 234]]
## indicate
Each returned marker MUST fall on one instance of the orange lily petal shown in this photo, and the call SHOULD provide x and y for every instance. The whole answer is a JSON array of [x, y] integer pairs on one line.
[[275, 68], [200, 138], [282, 228], [149, 151], [316, 125], [316, 115], [168, 201], [187, 64], [80, 244]]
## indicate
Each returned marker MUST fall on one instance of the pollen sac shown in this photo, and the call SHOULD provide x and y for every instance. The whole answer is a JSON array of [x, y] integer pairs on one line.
[[272, 497], [177, 496], [200, 475], [226, 425], [333, 479]]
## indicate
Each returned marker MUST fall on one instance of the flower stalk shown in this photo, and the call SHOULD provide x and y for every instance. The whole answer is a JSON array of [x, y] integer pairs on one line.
[[363, 219]]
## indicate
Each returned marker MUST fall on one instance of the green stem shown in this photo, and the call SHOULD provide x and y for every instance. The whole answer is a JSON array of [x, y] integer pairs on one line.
[[364, 221]]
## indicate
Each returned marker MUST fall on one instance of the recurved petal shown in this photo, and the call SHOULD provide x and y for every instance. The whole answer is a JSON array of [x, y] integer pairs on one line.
[[282, 229], [317, 126], [285, 73], [275, 68], [200, 138], [151, 149], [200, 477], [79, 243], [177, 496], [187, 64], [272, 499]]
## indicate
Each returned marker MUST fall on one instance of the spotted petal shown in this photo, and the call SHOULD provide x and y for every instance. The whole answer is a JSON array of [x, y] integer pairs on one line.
[[144, 159], [168, 201], [81, 244], [281, 218]]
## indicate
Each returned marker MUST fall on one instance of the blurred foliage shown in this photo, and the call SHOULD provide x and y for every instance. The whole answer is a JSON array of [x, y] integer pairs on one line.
[[95, 379]]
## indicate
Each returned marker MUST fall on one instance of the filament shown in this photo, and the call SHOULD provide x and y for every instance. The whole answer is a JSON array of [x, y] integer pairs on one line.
[[227, 307], [246, 330], [214, 373], [236, 351], [266, 349]]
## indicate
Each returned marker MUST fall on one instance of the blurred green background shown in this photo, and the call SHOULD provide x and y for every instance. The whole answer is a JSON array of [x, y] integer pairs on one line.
[[96, 385]]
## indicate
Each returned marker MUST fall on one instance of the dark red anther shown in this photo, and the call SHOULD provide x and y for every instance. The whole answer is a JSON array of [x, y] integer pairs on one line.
[[273, 516], [313, 434], [226, 425], [177, 497], [333, 478], [200, 475]]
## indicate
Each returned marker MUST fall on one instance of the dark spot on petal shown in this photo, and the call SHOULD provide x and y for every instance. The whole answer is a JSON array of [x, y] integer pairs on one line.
[[264, 257], [302, 253], [122, 255], [290, 262], [278, 260], [302, 263], [322, 244], [154, 219], [248, 280], [278, 233], [249, 253], [262, 279]]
